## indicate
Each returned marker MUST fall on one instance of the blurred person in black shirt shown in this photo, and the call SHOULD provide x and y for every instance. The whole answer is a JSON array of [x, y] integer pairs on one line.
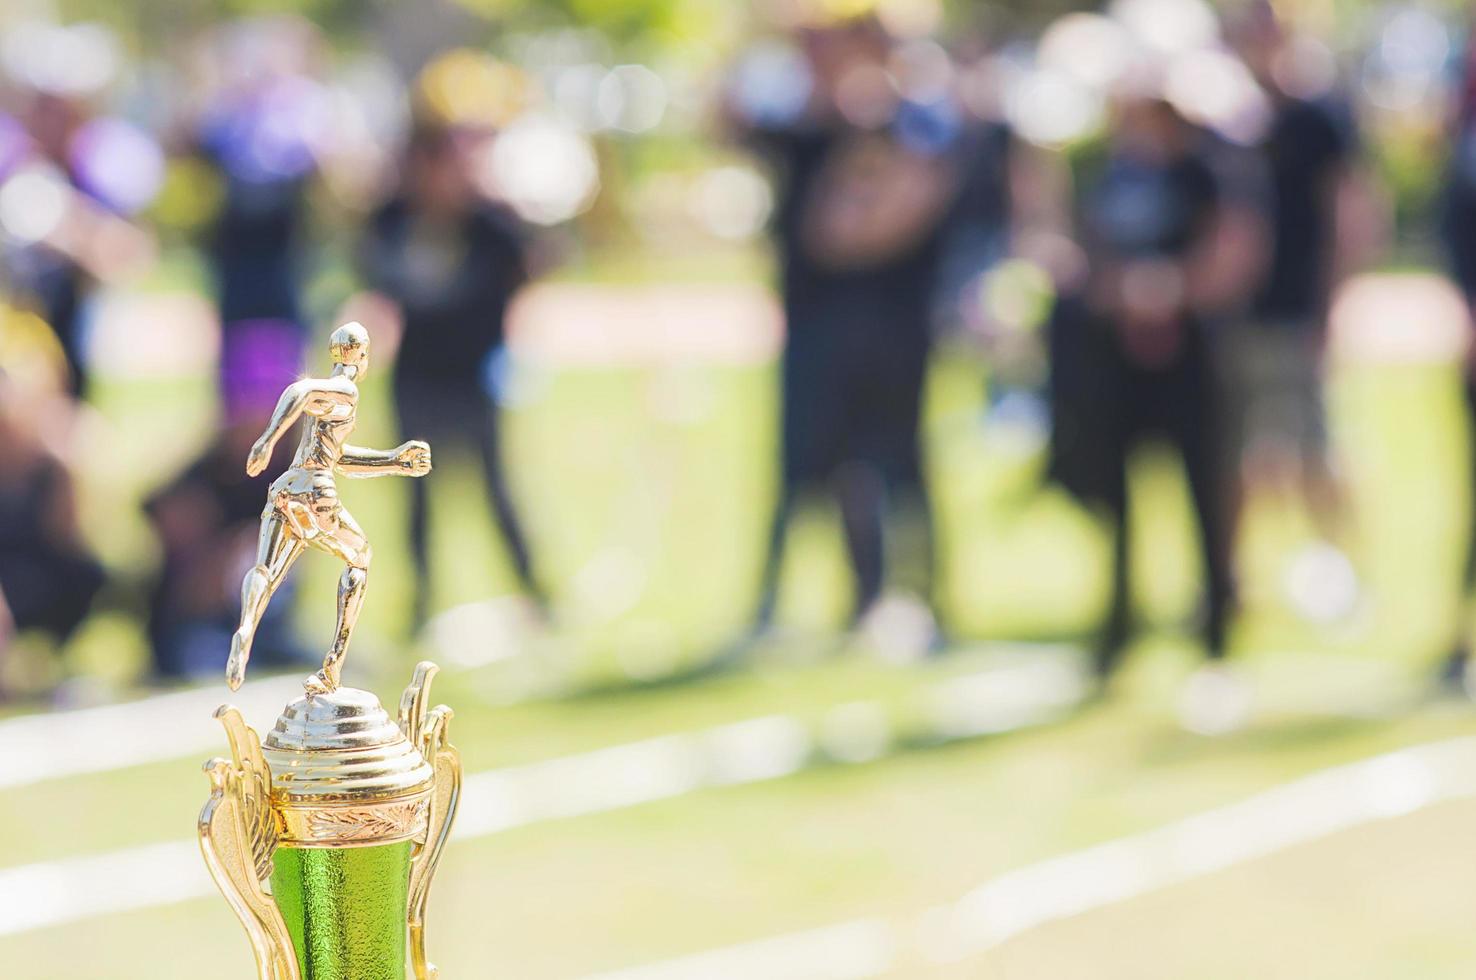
[[865, 182], [48, 575], [450, 261], [1166, 246], [1324, 223]]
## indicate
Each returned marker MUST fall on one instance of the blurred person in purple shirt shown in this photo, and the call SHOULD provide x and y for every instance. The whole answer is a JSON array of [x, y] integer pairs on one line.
[[260, 133]]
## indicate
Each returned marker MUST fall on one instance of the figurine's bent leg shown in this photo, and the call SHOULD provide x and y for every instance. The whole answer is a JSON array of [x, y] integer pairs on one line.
[[276, 549], [349, 545]]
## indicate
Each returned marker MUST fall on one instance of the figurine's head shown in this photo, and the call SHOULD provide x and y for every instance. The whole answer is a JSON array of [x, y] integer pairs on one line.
[[349, 346]]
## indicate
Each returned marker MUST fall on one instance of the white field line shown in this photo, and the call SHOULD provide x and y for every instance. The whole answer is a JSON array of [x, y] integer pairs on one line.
[[159, 727], [177, 725], [849, 951], [51, 893], [1013, 903], [163, 726]]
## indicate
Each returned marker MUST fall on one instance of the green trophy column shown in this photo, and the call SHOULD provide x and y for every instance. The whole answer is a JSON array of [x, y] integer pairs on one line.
[[345, 909]]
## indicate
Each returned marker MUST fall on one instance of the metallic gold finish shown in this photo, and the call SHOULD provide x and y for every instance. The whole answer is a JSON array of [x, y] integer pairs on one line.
[[429, 730], [303, 510], [238, 836], [344, 774], [354, 826], [341, 747]]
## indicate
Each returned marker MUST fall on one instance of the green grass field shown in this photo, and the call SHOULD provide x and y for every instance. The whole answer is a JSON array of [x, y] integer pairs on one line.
[[646, 491]]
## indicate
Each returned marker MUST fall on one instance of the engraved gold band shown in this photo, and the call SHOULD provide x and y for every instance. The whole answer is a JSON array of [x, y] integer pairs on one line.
[[353, 824]]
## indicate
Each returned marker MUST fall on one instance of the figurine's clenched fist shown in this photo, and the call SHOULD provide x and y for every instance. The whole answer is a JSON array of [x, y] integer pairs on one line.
[[415, 457]]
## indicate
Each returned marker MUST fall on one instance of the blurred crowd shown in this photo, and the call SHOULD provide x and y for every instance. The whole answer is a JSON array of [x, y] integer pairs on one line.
[[1139, 216]]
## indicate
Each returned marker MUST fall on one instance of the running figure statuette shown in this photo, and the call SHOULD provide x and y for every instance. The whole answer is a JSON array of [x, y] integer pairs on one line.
[[303, 509]]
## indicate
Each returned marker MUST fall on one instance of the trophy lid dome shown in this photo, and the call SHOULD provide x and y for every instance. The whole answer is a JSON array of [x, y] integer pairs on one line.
[[342, 746]]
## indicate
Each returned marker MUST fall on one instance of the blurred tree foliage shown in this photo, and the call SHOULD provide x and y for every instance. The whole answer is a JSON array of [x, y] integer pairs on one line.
[[152, 25], [156, 23]]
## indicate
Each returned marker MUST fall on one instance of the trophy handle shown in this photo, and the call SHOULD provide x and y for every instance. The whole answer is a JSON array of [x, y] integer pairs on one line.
[[238, 836], [427, 730]]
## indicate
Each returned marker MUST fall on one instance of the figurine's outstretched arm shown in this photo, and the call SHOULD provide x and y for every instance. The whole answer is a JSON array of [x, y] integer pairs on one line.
[[409, 459], [312, 397]]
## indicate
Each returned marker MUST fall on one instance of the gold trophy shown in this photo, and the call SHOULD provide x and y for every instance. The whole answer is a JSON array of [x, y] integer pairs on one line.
[[324, 838]]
